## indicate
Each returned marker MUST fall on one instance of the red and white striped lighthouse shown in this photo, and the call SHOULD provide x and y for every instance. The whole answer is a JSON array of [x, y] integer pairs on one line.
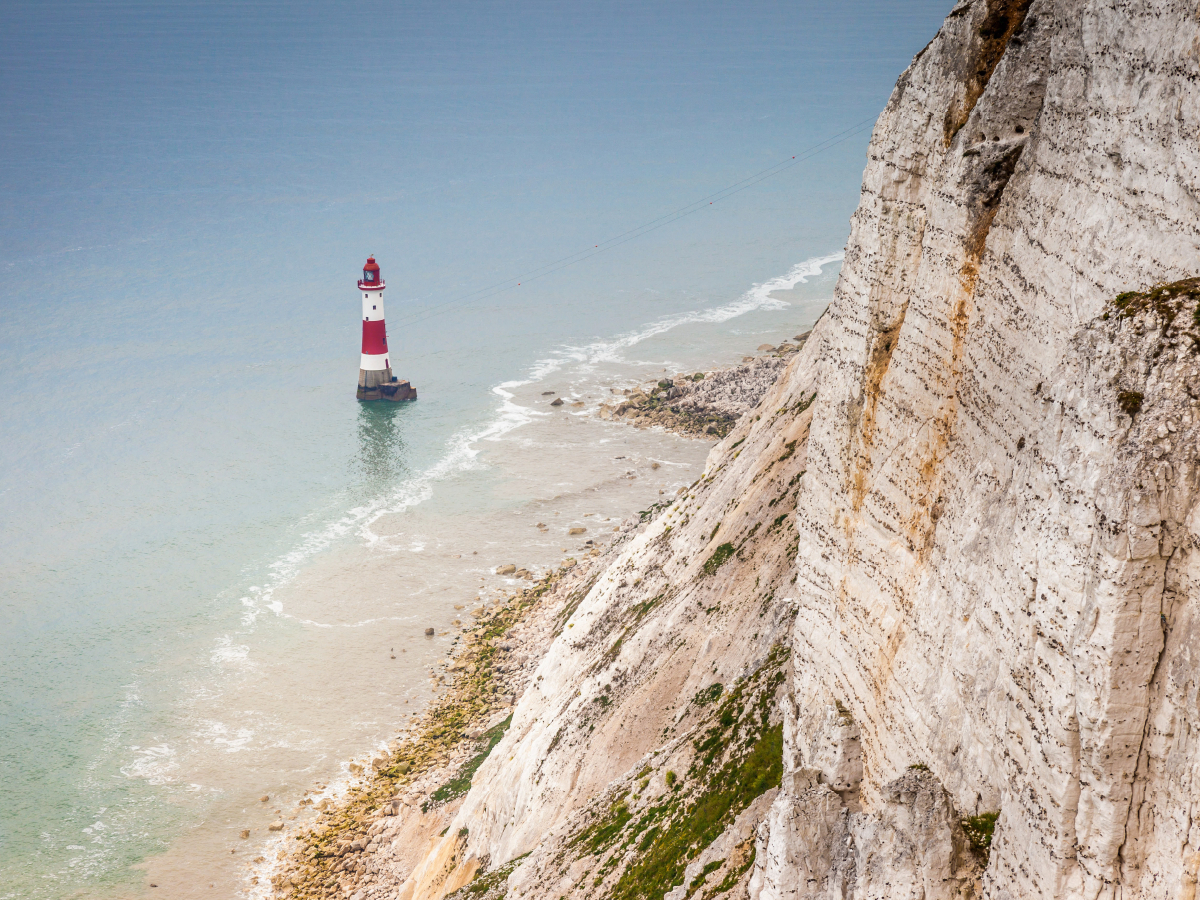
[[375, 379]]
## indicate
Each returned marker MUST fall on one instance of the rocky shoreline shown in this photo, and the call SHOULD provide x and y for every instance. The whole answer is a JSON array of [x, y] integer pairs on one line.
[[373, 836], [705, 404]]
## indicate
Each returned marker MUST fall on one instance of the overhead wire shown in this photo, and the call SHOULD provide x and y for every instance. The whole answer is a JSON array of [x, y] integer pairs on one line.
[[519, 280]]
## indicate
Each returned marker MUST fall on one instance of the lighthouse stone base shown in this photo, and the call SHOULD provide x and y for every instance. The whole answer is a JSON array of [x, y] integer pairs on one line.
[[381, 384]]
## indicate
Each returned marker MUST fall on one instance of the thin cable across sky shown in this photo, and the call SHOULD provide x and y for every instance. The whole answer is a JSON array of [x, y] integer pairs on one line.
[[636, 232]]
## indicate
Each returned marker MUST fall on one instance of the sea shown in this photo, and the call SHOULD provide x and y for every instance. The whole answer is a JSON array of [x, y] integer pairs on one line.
[[216, 566]]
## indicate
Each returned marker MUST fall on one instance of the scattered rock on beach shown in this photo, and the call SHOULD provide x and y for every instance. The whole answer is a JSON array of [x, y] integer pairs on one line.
[[244, 833], [577, 530], [277, 825], [428, 632], [264, 798], [556, 402], [763, 348], [507, 569], [705, 407]]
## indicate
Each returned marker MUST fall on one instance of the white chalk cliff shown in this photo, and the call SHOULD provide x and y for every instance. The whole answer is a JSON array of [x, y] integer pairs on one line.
[[963, 580]]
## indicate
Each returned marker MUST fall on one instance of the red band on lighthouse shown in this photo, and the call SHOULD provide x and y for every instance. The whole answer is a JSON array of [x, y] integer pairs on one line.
[[374, 342]]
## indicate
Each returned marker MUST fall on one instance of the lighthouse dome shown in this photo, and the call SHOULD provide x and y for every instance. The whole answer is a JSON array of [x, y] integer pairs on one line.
[[371, 274]]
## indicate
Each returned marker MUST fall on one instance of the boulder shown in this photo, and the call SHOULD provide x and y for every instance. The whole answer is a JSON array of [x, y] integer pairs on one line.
[[507, 569], [556, 402]]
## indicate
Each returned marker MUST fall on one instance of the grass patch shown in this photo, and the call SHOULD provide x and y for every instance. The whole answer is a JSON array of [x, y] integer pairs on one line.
[[733, 875], [719, 558], [980, 830], [571, 605], [654, 509], [1165, 299], [684, 825], [641, 609], [749, 536], [708, 869], [611, 654], [605, 830], [660, 864], [738, 757], [802, 404], [708, 695], [461, 783], [485, 884]]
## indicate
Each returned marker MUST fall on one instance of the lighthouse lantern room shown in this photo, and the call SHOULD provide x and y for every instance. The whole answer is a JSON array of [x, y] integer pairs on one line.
[[375, 378]]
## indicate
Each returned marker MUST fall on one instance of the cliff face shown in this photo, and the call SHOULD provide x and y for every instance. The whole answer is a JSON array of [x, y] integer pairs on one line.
[[960, 588], [997, 564]]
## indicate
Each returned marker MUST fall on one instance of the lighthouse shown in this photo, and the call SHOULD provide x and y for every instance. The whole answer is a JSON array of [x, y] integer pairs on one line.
[[375, 378]]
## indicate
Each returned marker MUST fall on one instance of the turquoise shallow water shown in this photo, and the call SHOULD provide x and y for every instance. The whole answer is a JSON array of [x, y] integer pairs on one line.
[[199, 523]]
